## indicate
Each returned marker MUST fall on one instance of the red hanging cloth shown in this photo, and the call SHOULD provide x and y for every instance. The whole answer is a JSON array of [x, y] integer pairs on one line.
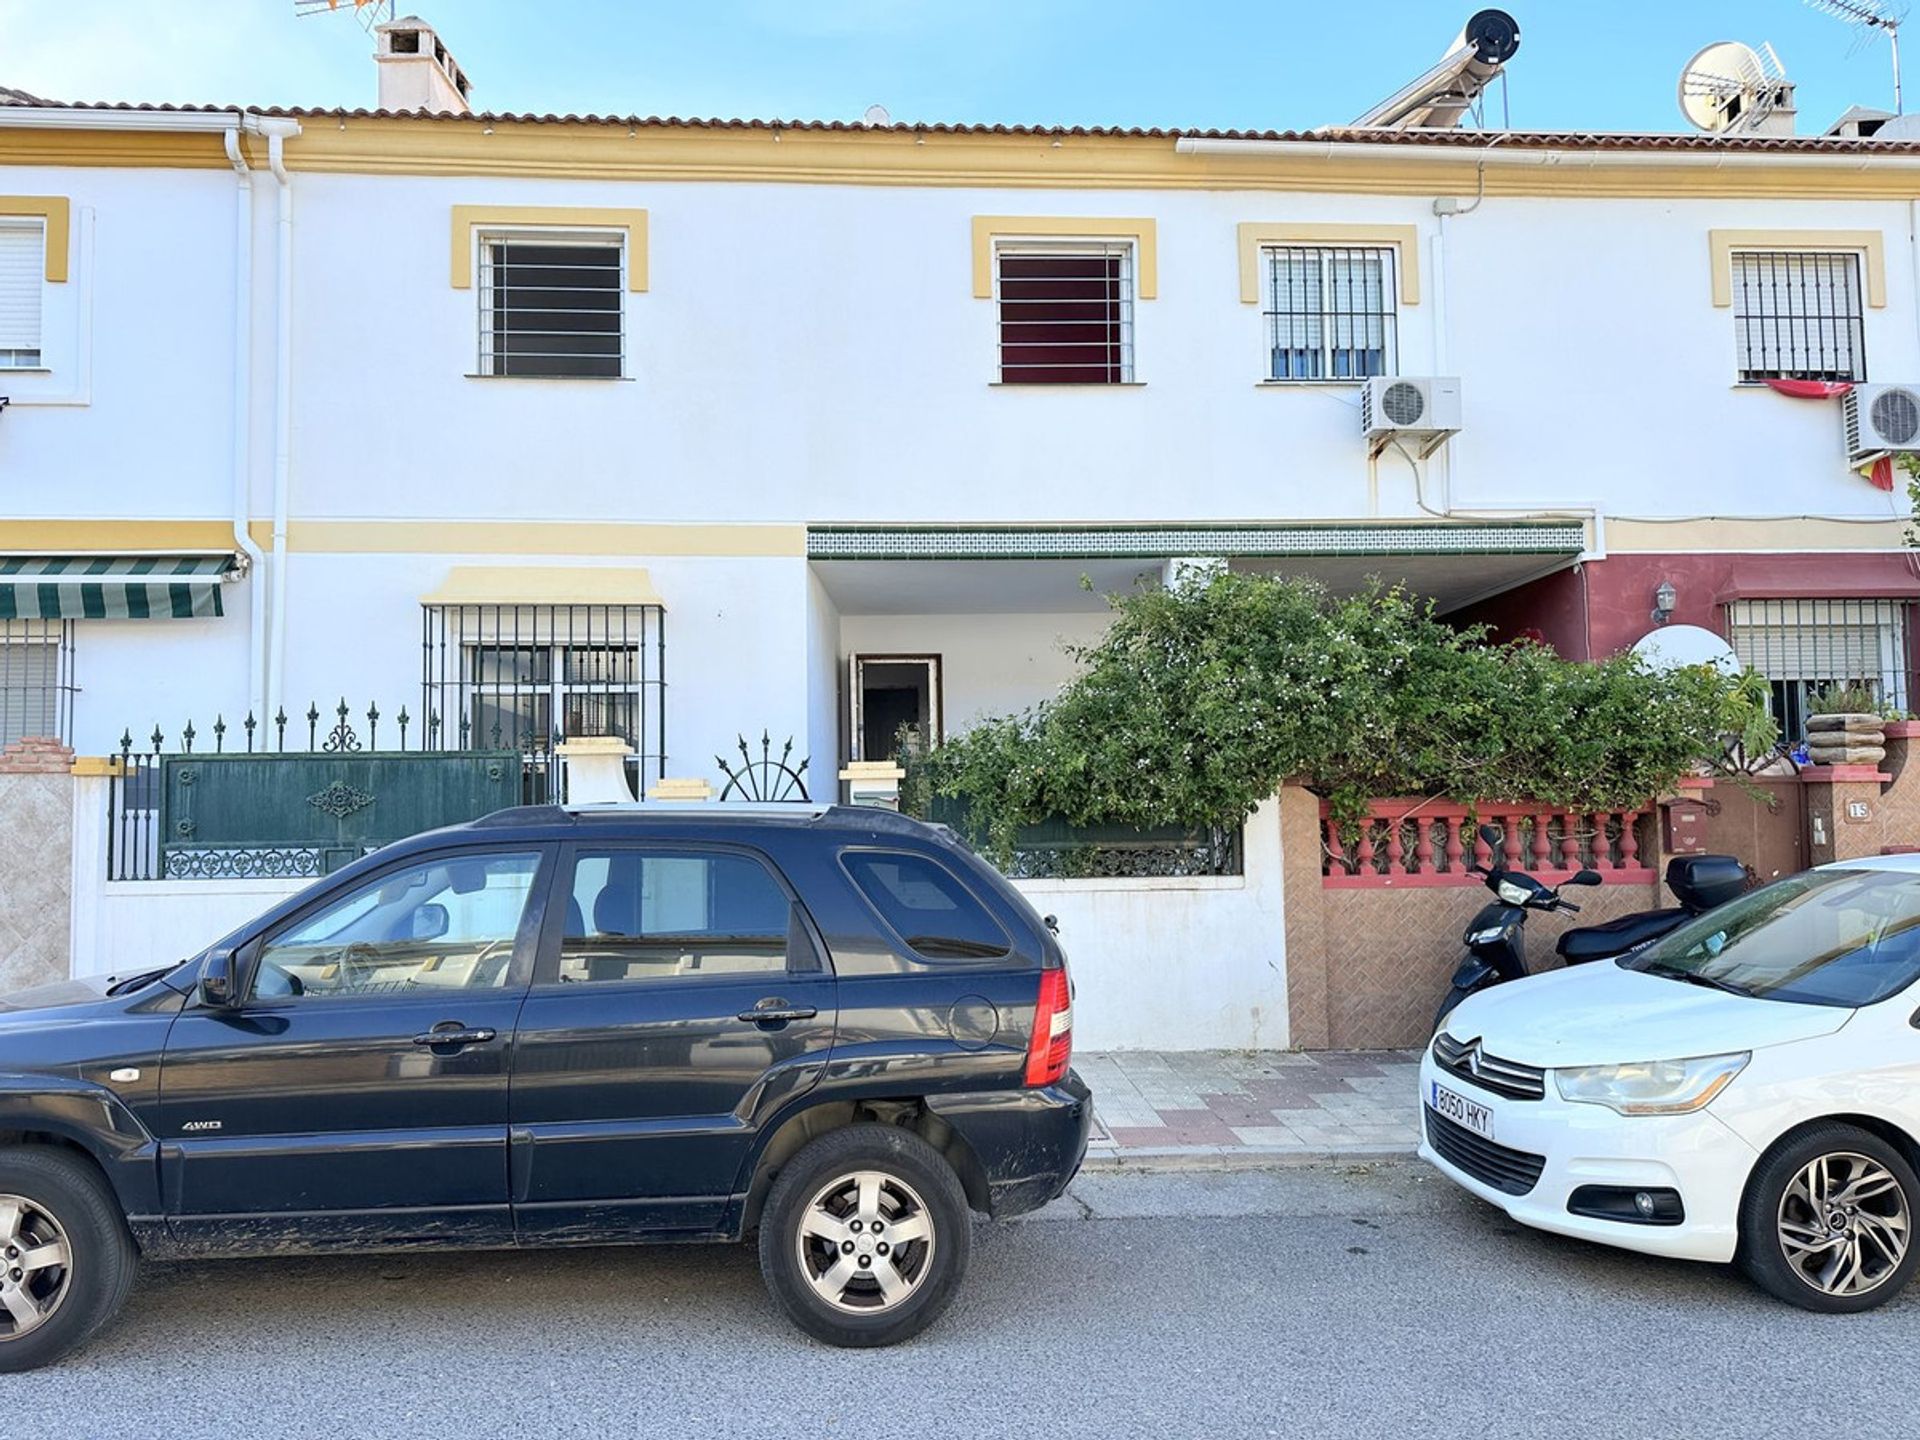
[[1811, 389]]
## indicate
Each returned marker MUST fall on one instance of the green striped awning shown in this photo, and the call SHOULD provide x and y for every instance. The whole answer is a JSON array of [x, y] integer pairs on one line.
[[112, 587]]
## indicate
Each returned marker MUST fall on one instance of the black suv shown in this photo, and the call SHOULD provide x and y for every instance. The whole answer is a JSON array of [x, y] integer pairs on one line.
[[835, 1027]]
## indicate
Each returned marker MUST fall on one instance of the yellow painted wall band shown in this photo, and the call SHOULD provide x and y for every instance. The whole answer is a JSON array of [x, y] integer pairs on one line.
[[406, 537], [420, 145]]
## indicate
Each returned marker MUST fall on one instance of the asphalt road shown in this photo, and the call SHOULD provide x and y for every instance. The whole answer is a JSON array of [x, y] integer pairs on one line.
[[1360, 1301]]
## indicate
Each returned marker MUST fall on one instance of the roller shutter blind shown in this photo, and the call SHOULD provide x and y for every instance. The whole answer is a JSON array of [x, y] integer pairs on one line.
[[22, 262]]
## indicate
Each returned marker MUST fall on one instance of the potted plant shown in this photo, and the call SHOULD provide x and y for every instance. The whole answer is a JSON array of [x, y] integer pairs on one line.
[[1845, 726]]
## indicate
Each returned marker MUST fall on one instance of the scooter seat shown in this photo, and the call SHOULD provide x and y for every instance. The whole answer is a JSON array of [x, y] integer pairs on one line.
[[1616, 937]]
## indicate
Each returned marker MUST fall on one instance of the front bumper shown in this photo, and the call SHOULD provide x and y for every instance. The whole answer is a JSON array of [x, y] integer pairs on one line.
[[1583, 1144], [1029, 1143]]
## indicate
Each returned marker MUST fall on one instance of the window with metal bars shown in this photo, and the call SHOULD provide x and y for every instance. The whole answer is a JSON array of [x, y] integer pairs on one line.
[[1331, 312], [1066, 314], [1797, 316], [526, 677], [1806, 646], [550, 305], [36, 679], [22, 263]]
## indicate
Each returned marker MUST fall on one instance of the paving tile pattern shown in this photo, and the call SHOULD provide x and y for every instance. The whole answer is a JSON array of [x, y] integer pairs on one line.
[[1226, 1102]]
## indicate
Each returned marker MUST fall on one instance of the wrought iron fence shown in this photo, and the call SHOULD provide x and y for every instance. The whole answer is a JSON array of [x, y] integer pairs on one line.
[[197, 809], [765, 779], [1057, 850]]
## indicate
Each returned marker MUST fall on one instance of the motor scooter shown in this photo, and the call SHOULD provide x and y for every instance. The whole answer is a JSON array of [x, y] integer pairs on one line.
[[1496, 937]]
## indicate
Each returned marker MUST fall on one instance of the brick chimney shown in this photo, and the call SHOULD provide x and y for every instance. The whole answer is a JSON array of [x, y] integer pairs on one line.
[[417, 71]]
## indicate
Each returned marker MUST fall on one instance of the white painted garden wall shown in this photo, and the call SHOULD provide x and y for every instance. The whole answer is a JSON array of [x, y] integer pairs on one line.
[[122, 926], [1178, 964], [1161, 964]]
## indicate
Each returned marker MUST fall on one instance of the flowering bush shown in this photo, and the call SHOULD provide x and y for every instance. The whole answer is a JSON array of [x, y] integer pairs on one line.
[[1201, 700]]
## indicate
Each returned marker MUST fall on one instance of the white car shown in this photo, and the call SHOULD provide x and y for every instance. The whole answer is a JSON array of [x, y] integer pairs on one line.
[[1747, 1089]]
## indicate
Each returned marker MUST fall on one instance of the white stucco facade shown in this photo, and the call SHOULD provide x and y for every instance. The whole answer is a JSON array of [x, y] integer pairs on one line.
[[805, 351], [813, 353]]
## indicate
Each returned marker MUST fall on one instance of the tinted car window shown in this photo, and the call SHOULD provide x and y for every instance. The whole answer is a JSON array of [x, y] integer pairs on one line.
[[442, 924], [640, 913], [1824, 937], [927, 905]]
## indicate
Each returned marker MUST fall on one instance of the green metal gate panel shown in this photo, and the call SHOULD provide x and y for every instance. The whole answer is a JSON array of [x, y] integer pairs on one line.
[[306, 814]]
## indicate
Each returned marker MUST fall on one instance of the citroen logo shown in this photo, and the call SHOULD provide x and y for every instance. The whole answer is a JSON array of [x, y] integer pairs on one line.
[[1472, 1057]]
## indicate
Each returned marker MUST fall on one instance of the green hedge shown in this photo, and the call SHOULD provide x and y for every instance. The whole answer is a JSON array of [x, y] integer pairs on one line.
[[1200, 701]]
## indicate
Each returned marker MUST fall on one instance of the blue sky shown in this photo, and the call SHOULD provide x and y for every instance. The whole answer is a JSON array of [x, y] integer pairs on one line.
[[1602, 64]]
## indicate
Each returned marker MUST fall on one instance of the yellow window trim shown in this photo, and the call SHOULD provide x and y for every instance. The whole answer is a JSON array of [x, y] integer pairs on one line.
[[1403, 238], [543, 585], [57, 213], [1143, 233], [466, 218], [1870, 243], [611, 539]]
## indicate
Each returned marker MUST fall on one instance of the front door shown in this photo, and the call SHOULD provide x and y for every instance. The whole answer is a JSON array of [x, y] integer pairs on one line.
[[359, 1094], [641, 1074]]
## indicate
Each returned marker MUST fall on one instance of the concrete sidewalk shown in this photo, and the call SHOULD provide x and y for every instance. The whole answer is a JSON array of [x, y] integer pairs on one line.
[[1227, 1108]]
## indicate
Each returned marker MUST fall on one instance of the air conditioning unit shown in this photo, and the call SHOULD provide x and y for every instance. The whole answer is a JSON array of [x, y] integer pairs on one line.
[[1418, 411], [1881, 420]]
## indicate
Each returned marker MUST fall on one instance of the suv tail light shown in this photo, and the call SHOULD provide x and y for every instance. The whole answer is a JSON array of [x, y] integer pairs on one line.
[[1052, 1044]]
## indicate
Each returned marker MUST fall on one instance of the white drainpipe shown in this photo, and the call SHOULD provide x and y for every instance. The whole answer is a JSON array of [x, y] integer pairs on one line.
[[277, 132], [242, 423]]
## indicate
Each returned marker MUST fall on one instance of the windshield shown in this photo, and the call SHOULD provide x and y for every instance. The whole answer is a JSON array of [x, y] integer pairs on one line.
[[1823, 937]]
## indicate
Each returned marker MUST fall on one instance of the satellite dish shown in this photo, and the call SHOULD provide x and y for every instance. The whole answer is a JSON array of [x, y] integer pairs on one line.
[[1729, 88], [877, 116], [1900, 127], [1675, 647]]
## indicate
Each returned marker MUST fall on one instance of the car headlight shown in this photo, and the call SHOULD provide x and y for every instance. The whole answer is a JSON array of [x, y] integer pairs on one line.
[[1652, 1087]]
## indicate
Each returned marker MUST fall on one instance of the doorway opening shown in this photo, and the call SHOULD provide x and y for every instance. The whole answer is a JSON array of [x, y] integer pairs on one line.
[[889, 693]]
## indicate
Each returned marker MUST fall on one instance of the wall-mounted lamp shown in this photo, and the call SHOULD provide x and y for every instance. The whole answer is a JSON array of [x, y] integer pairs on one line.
[[1665, 597]]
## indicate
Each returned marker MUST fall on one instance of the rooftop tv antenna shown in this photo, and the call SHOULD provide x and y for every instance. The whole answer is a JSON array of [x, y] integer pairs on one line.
[[1437, 99], [1871, 16], [369, 13], [1731, 89]]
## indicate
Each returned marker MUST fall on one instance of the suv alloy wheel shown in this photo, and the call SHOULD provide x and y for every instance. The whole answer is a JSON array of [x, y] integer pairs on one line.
[[68, 1260], [865, 1236]]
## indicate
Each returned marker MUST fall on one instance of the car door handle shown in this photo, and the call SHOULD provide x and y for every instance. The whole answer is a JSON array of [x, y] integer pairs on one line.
[[454, 1037], [774, 1012]]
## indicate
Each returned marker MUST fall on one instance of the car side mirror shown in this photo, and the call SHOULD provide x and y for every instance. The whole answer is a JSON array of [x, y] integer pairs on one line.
[[219, 981], [430, 922], [1586, 877]]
